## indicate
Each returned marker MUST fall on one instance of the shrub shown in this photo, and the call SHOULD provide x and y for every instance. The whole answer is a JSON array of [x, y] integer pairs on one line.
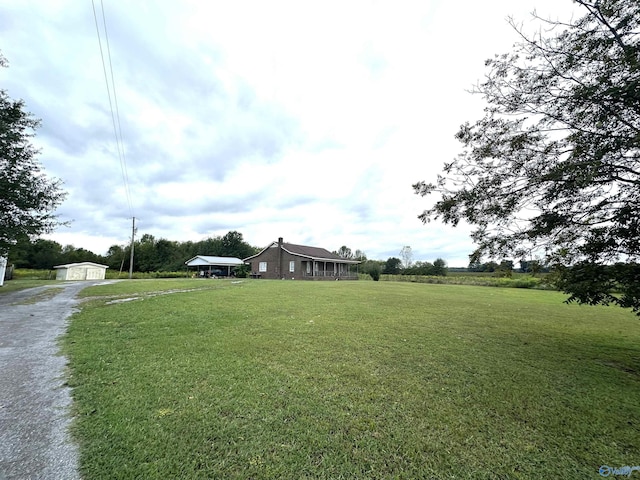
[[375, 273], [242, 271]]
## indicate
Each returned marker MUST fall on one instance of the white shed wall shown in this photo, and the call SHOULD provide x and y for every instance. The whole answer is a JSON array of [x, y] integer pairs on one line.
[[95, 273], [81, 272]]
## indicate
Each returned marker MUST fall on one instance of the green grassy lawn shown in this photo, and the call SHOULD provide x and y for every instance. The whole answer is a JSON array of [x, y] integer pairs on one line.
[[15, 285], [376, 380]]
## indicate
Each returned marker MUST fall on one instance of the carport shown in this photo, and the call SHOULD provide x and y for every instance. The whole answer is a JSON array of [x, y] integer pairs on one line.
[[209, 266]]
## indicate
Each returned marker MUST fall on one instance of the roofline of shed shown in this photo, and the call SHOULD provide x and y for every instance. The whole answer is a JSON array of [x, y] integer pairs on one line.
[[81, 263]]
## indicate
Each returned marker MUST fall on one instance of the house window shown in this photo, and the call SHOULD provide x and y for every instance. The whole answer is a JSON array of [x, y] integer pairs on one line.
[[262, 267], [292, 266], [308, 267]]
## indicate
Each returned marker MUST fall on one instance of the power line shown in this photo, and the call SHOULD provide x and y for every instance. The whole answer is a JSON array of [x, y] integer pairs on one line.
[[115, 114], [115, 101]]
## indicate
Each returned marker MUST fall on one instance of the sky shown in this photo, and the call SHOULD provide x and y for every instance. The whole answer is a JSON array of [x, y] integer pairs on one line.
[[309, 121]]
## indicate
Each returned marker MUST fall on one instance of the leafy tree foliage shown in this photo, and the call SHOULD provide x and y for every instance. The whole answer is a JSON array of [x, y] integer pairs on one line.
[[419, 268], [369, 266], [27, 197], [345, 252], [157, 255], [374, 272], [553, 167], [242, 271], [532, 266], [43, 254], [392, 266], [505, 269], [477, 266], [437, 268], [233, 245], [151, 254]]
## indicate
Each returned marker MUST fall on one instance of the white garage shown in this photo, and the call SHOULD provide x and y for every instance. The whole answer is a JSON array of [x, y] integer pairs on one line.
[[81, 271]]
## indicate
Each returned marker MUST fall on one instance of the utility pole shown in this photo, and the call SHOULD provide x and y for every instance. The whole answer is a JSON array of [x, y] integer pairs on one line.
[[133, 233]]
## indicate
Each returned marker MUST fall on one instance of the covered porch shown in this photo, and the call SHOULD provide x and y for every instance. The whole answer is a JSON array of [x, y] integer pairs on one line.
[[328, 270]]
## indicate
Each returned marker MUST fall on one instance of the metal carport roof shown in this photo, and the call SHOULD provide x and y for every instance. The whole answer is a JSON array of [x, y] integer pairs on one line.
[[207, 260]]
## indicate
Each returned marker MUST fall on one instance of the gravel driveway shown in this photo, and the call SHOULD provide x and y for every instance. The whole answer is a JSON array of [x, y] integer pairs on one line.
[[34, 400]]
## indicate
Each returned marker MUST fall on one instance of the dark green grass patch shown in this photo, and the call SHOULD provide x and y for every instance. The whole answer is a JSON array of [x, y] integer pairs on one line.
[[261, 379], [15, 285]]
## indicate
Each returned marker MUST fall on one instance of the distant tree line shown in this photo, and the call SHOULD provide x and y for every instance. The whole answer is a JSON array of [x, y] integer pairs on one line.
[[506, 267], [153, 254], [393, 265], [42, 254], [157, 255], [150, 254]]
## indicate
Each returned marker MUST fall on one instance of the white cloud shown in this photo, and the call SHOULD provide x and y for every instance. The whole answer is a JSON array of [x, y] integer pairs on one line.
[[307, 121]]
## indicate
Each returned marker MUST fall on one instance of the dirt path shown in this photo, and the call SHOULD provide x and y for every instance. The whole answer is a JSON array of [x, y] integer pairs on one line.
[[34, 401]]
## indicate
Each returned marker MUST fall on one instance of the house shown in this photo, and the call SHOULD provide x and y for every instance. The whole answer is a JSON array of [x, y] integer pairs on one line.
[[208, 266], [81, 271], [288, 261]]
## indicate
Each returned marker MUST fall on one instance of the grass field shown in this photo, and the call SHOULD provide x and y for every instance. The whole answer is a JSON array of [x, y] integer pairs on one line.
[[22, 284], [344, 380]]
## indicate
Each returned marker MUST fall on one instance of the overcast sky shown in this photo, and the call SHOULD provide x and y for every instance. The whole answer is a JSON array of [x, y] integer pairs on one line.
[[303, 120]]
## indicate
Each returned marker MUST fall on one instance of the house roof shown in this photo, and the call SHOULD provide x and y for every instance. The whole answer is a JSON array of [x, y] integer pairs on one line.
[[81, 264], [313, 253], [206, 260]]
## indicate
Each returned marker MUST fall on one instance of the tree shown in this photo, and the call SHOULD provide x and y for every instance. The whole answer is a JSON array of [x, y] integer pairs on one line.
[[374, 272], [144, 259], [344, 252], [360, 256], [419, 268], [233, 245], [439, 267], [392, 266], [370, 266], [531, 266], [505, 269], [116, 256], [407, 256], [553, 168], [27, 197], [71, 254], [44, 254]]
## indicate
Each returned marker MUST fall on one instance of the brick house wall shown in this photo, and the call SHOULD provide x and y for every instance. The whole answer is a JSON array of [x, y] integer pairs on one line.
[[276, 262]]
